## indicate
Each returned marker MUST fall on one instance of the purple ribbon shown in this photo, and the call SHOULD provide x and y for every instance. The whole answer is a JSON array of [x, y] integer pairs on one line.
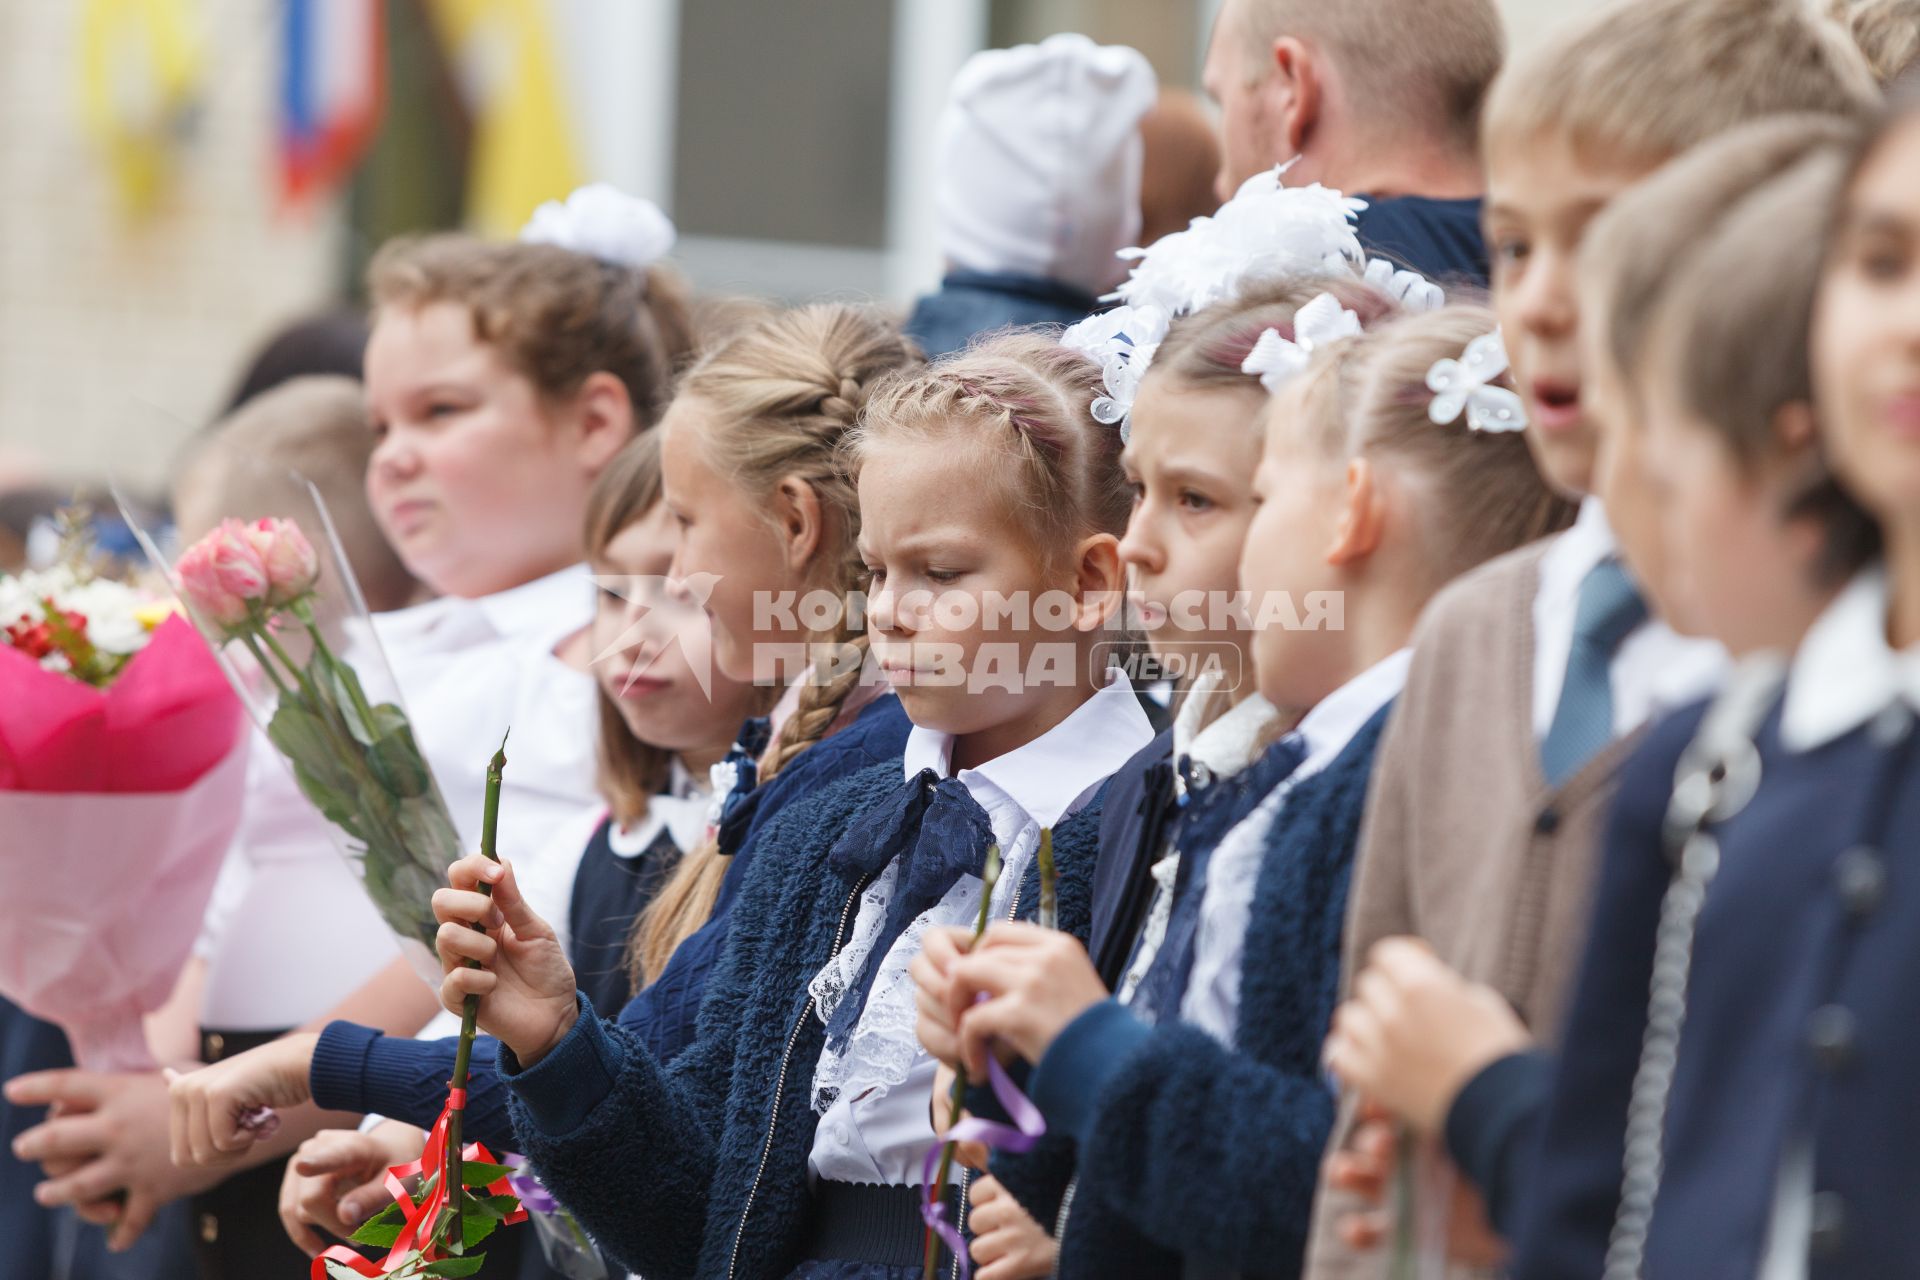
[[261, 1122], [1027, 1128], [526, 1184]]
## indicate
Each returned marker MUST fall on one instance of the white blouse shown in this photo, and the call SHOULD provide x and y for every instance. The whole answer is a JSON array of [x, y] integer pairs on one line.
[[874, 1126], [466, 669]]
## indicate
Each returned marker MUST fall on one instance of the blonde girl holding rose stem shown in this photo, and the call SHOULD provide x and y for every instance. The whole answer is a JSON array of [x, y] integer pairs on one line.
[[789, 1139]]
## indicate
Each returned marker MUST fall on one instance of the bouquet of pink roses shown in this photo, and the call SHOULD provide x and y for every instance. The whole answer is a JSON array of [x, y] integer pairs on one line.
[[254, 592], [122, 771]]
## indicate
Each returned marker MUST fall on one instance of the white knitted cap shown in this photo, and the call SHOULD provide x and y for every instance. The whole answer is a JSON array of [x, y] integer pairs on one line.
[[1040, 157]]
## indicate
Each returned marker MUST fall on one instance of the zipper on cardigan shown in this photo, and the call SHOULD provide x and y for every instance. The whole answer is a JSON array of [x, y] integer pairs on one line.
[[966, 1175], [780, 1082], [1060, 1222]]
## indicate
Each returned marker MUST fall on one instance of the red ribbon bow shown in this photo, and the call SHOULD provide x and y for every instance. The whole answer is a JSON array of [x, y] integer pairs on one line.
[[421, 1216]]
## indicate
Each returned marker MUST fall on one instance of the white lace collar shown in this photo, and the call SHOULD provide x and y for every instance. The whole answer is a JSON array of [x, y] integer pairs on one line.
[[1022, 791], [1228, 743]]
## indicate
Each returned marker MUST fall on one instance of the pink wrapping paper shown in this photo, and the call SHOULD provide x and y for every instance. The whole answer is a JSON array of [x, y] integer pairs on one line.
[[116, 810]]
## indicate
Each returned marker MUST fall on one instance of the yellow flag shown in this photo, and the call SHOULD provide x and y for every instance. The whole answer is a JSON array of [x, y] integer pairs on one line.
[[141, 68], [524, 147]]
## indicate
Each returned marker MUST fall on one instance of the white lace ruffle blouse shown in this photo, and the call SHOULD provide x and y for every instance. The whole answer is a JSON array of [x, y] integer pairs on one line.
[[874, 1126]]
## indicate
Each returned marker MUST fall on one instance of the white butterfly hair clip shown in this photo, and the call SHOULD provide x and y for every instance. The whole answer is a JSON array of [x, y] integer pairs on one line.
[[1466, 385], [1316, 326]]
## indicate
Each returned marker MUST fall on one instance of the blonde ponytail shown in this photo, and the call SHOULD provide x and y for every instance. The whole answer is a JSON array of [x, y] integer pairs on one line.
[[785, 392]]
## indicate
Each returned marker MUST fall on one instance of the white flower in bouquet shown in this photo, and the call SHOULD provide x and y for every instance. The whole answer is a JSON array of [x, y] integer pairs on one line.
[[70, 621]]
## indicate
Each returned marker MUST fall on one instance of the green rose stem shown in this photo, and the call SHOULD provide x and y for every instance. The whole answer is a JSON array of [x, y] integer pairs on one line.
[[1403, 1263], [957, 1099], [325, 710], [253, 647], [302, 609], [470, 1010]]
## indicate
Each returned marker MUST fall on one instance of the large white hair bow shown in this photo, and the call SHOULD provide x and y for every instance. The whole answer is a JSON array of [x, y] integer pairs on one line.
[[1122, 341], [604, 222], [1316, 326], [1467, 384], [1268, 231]]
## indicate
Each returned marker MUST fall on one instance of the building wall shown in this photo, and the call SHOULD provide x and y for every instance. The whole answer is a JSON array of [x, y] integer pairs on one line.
[[118, 338]]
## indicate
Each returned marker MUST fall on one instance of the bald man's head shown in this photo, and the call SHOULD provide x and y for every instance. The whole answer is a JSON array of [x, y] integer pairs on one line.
[[1411, 72]]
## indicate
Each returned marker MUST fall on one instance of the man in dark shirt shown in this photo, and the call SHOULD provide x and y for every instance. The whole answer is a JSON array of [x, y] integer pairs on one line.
[[1378, 98]]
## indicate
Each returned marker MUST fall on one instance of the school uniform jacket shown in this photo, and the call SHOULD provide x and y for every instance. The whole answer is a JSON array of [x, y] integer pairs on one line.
[[1802, 1023], [699, 1167]]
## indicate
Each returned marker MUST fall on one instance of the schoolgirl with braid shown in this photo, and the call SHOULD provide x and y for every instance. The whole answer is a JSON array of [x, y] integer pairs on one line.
[[790, 1139]]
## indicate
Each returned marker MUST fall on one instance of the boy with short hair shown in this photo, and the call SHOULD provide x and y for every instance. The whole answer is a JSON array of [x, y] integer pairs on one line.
[[1533, 676]]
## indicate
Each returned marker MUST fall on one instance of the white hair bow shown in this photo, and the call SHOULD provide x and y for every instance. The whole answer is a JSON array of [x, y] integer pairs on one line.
[[604, 222], [1316, 326], [1466, 384], [1409, 288], [1122, 341]]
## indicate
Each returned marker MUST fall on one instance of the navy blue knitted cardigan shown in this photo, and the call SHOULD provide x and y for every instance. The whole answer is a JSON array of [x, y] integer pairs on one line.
[[357, 1069], [1187, 1148], [699, 1167]]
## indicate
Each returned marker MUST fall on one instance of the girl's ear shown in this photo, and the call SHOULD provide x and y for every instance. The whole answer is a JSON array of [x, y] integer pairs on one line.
[[800, 520], [1362, 515], [1100, 581], [1795, 429], [603, 420]]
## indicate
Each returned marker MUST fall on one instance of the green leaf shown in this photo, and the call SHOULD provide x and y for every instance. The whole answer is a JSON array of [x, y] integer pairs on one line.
[[428, 829], [476, 1225], [383, 1228], [341, 1271], [475, 1174], [339, 681], [450, 1267]]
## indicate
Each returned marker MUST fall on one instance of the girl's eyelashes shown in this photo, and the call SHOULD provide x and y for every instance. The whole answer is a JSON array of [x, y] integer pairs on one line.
[[1881, 256], [1138, 491], [1508, 250], [877, 574], [1195, 502]]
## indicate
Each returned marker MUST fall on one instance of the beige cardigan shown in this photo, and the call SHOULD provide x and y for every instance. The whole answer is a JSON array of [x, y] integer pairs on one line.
[[1464, 843]]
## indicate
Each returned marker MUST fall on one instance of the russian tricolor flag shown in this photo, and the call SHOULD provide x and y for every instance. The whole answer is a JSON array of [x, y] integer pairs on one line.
[[333, 81]]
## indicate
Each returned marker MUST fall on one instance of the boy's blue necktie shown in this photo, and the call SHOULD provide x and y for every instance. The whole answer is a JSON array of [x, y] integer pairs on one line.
[[1609, 609]]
